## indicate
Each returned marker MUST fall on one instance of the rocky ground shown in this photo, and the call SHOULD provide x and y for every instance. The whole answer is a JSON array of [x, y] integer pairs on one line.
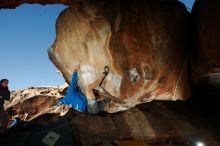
[[32, 102], [156, 123]]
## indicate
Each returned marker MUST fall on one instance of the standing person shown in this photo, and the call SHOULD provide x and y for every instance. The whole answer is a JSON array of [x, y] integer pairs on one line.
[[4, 95], [88, 102]]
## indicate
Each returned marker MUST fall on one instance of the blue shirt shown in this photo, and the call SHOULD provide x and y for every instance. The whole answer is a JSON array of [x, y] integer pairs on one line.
[[74, 96]]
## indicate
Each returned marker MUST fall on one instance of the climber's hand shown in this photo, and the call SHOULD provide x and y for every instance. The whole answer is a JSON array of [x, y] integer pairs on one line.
[[76, 67]]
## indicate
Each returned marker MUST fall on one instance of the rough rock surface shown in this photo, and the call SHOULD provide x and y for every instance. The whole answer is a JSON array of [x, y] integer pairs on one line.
[[34, 101], [206, 19], [157, 123], [143, 42]]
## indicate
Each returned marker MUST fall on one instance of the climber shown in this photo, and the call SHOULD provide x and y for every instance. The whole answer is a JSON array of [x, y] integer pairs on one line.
[[76, 99], [4, 95]]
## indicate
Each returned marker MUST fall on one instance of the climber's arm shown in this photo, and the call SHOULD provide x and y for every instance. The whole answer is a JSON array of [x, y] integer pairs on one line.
[[74, 78]]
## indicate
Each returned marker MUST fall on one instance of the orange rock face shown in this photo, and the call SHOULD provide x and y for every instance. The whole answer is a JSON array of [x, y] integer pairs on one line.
[[143, 42], [206, 18]]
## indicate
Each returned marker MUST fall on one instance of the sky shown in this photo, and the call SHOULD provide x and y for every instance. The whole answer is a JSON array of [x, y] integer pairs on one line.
[[26, 33], [188, 3]]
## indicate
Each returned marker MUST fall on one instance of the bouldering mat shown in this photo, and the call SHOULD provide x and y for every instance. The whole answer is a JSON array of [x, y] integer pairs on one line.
[[54, 134]]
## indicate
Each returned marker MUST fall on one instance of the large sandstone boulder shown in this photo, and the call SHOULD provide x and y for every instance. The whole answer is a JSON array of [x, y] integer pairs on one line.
[[143, 42], [206, 65]]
